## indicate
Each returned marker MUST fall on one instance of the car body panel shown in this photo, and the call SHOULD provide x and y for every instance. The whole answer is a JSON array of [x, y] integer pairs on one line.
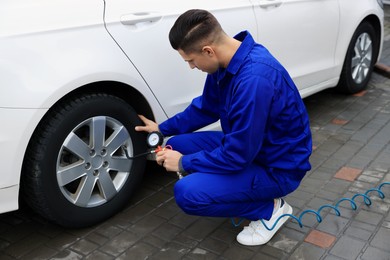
[[145, 41], [308, 62]]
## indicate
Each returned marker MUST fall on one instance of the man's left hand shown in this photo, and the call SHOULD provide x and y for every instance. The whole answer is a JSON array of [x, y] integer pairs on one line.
[[169, 159]]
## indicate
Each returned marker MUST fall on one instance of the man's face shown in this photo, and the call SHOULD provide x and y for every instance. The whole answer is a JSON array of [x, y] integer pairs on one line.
[[205, 60]]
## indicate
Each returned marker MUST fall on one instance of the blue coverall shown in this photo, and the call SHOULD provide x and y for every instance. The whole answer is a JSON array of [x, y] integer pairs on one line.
[[263, 150]]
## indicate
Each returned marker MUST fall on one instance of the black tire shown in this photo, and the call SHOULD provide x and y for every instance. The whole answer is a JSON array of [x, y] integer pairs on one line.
[[101, 180], [360, 59]]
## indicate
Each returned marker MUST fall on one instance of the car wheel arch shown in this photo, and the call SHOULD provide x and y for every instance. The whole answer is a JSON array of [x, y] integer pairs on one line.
[[372, 25], [114, 89]]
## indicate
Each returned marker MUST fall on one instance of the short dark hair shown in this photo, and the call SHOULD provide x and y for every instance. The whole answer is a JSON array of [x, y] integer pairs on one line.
[[193, 28]]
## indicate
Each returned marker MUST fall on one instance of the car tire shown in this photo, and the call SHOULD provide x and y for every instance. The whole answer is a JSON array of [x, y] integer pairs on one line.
[[360, 60], [76, 172]]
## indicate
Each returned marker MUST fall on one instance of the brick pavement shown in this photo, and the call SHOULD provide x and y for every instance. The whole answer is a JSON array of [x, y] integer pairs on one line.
[[351, 137]]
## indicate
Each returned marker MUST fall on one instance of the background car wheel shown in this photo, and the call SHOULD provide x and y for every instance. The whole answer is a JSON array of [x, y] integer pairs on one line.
[[360, 60], [75, 172]]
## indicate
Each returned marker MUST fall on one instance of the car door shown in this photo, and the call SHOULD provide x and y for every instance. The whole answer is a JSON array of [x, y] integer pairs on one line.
[[141, 28], [302, 35]]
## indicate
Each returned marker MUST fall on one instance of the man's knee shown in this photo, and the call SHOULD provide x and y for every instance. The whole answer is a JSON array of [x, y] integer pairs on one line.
[[187, 199]]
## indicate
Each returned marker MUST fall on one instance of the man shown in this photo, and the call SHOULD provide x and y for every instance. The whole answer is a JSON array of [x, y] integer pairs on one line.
[[263, 150]]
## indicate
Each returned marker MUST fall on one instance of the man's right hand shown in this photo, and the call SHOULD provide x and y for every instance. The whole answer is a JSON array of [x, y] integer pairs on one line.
[[150, 126]]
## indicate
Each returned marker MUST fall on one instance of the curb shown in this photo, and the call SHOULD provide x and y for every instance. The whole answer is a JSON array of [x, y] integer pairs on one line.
[[382, 69]]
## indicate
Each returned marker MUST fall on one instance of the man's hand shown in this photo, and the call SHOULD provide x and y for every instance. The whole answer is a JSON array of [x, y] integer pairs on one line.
[[149, 126], [169, 159]]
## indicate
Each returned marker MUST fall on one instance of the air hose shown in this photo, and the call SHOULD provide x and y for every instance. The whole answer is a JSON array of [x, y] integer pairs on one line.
[[335, 207]]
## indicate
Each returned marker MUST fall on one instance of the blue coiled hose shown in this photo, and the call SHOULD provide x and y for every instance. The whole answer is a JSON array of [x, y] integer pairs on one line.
[[335, 207]]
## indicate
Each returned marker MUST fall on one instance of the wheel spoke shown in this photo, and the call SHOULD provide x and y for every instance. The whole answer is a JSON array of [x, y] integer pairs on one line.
[[84, 191], [366, 42], [355, 62], [70, 173], [118, 138], [106, 185], [77, 146], [98, 131], [120, 164]]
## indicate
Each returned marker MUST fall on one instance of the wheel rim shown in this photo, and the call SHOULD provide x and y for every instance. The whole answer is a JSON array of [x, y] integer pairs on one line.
[[91, 165], [361, 61]]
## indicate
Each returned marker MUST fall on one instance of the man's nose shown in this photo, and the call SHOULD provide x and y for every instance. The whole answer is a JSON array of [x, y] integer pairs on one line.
[[192, 65]]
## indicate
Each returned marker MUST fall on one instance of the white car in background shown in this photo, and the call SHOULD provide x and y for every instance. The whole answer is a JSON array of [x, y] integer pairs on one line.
[[75, 74]]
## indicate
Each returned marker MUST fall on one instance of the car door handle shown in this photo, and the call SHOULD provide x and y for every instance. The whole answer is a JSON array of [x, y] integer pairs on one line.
[[269, 3], [141, 17]]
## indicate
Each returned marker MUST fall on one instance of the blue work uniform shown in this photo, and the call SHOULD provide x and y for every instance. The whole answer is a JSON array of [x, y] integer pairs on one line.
[[263, 150]]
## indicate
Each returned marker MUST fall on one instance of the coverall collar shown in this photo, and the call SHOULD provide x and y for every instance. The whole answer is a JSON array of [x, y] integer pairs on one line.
[[242, 52]]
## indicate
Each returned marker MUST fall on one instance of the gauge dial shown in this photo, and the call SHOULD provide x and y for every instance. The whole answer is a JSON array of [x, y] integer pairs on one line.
[[154, 139]]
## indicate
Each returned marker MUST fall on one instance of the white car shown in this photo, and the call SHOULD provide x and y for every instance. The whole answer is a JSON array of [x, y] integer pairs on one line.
[[75, 74]]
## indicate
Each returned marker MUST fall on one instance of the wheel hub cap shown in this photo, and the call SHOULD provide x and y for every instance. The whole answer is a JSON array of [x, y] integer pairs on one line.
[[91, 165], [361, 62]]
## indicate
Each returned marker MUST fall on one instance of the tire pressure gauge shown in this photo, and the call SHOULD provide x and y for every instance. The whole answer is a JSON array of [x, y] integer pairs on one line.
[[154, 139]]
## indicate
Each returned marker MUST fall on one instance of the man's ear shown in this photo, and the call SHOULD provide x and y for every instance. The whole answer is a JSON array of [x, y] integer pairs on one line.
[[208, 50]]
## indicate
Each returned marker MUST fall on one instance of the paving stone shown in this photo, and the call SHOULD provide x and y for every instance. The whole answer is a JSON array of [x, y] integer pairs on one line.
[[307, 251], [347, 248], [365, 226], [137, 212], [347, 173], [146, 225], [225, 235], [67, 254], [333, 224], [214, 245], [200, 229], [375, 253], [320, 239], [84, 247], [5, 257], [18, 232], [369, 217], [334, 163], [154, 241], [108, 231], [283, 242], [167, 210], [97, 255], [186, 241], [236, 251], [263, 256], [381, 239], [358, 233], [167, 231], [273, 251], [62, 242], [360, 162], [322, 173], [316, 203], [337, 186], [369, 179], [119, 243], [171, 251], [183, 220], [328, 195], [138, 251], [199, 253], [41, 252], [339, 121], [97, 238], [158, 199]]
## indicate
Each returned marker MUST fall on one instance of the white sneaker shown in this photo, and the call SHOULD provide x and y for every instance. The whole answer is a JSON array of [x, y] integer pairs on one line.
[[256, 234]]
